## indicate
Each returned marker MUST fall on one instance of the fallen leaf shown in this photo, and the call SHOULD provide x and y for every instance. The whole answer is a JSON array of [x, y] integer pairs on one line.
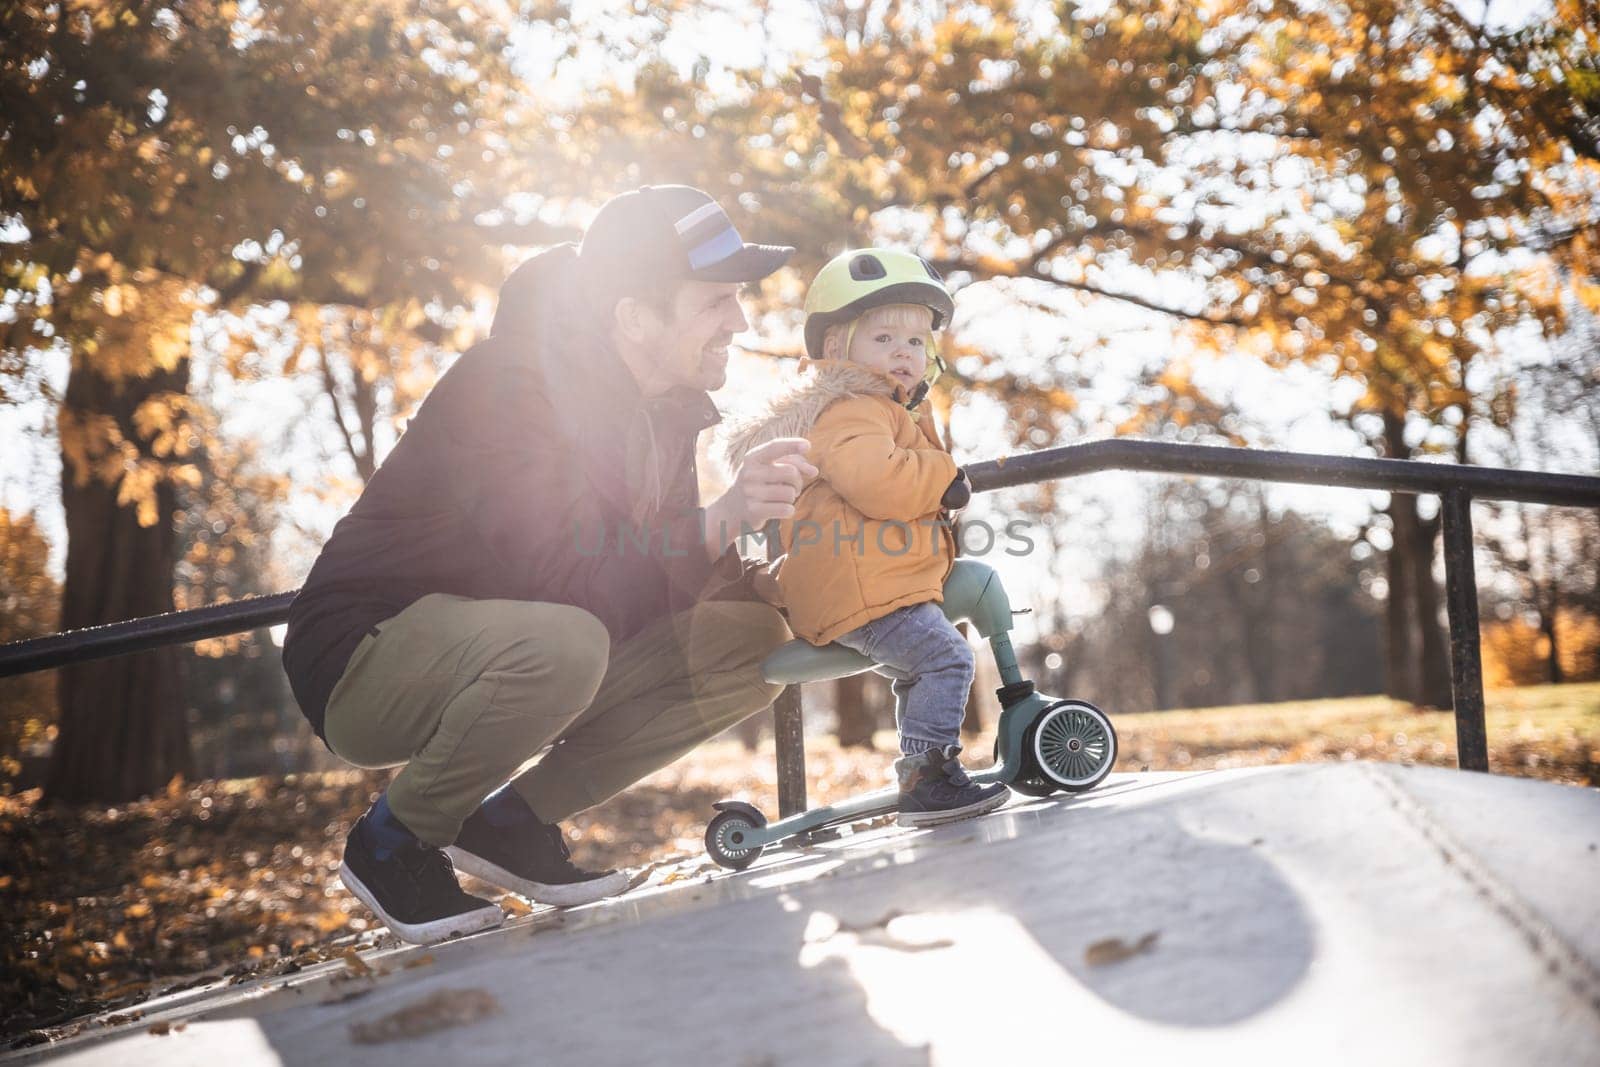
[[1115, 950], [356, 965], [437, 1011]]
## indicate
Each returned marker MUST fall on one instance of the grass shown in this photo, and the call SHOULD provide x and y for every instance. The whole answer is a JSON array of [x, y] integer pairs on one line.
[[1550, 732]]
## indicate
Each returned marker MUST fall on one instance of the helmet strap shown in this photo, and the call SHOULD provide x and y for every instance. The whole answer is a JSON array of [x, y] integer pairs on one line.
[[936, 366]]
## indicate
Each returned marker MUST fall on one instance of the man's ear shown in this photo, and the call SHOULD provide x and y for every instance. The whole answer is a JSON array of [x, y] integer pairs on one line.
[[635, 320]]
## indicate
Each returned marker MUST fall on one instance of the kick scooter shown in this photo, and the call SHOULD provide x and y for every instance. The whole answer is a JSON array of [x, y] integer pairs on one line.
[[1043, 743]]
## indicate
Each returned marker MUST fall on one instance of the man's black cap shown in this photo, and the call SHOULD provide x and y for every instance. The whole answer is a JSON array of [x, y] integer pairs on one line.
[[662, 232]]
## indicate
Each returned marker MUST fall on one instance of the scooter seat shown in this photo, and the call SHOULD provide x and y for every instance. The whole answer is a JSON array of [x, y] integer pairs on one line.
[[801, 661], [972, 593]]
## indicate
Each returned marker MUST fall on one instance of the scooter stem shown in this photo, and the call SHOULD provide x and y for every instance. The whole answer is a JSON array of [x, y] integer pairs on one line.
[[1005, 659]]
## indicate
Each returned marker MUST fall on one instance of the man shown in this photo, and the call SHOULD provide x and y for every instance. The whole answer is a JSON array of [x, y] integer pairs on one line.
[[531, 571]]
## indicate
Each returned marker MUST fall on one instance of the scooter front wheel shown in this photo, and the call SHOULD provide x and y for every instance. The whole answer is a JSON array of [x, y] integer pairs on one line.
[[1073, 744], [727, 837]]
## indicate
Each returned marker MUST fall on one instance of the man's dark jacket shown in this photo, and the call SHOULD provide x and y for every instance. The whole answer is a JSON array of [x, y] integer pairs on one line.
[[534, 470]]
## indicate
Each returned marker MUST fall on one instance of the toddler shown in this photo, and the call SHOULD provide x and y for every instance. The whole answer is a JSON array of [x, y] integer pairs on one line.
[[870, 545]]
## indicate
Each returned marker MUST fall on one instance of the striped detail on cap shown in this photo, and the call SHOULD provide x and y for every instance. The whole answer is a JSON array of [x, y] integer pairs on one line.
[[709, 236], [699, 215]]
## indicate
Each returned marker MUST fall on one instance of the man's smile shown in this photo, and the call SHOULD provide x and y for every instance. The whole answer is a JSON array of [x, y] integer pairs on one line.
[[714, 356]]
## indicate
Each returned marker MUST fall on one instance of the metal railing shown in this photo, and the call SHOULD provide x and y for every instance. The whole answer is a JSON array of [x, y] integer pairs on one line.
[[1456, 485]]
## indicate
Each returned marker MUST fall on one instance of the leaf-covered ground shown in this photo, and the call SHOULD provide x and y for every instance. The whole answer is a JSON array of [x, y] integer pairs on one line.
[[104, 908]]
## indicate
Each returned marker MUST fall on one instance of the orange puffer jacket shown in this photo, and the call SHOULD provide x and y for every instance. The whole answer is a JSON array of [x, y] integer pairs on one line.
[[868, 535]]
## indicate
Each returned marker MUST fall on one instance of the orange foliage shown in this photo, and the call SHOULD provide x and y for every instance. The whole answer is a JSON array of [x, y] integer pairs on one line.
[[1516, 653], [28, 608]]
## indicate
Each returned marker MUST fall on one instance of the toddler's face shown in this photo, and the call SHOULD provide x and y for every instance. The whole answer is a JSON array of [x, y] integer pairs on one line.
[[894, 341]]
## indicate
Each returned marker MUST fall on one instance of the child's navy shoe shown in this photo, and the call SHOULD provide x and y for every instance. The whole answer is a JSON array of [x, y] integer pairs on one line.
[[934, 789]]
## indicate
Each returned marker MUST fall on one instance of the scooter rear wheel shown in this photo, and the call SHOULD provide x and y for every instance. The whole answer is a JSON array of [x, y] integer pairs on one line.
[[725, 838], [1073, 744]]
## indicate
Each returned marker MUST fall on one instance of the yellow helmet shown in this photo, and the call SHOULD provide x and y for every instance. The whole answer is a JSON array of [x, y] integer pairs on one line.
[[854, 283]]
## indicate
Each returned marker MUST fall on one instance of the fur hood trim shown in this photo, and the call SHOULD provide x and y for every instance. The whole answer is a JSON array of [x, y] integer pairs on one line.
[[792, 414]]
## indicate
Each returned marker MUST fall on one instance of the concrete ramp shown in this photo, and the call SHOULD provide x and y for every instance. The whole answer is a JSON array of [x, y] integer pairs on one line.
[[1317, 913]]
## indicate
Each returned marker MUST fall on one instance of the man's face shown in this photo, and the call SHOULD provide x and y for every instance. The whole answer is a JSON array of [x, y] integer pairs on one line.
[[691, 347]]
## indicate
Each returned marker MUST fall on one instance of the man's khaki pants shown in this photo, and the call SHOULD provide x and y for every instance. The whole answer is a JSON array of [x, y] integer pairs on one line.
[[466, 693]]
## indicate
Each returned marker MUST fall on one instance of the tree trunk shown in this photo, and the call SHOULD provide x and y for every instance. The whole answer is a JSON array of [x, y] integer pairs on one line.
[[1251, 608], [123, 734], [749, 731], [1417, 663], [1400, 678], [1417, 657], [1435, 666], [1549, 607], [855, 718], [1589, 548]]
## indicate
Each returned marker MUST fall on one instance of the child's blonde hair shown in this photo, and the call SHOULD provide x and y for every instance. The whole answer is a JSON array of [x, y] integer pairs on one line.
[[901, 315]]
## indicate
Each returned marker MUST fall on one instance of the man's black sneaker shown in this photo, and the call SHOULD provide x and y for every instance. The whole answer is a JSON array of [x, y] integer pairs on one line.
[[530, 858], [413, 890], [934, 789]]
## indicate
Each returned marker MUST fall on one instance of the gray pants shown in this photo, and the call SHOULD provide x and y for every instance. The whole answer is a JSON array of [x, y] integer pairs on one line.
[[465, 694], [931, 664]]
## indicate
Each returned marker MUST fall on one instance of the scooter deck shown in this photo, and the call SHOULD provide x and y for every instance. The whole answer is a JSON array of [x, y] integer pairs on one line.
[[857, 809]]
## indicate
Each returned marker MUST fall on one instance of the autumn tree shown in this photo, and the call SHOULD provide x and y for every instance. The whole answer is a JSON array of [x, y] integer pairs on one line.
[[1375, 188], [1437, 164], [28, 606], [161, 162]]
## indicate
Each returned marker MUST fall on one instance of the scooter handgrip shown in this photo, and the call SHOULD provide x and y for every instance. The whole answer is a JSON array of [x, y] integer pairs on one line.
[[959, 494]]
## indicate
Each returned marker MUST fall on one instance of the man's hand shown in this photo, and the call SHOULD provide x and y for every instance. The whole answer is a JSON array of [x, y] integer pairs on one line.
[[766, 486]]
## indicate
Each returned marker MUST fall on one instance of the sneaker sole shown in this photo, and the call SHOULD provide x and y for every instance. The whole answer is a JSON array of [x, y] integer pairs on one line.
[[565, 895], [922, 819], [468, 922]]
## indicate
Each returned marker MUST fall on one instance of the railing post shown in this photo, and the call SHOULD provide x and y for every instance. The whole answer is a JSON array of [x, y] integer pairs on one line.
[[788, 731], [1461, 598], [788, 728]]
